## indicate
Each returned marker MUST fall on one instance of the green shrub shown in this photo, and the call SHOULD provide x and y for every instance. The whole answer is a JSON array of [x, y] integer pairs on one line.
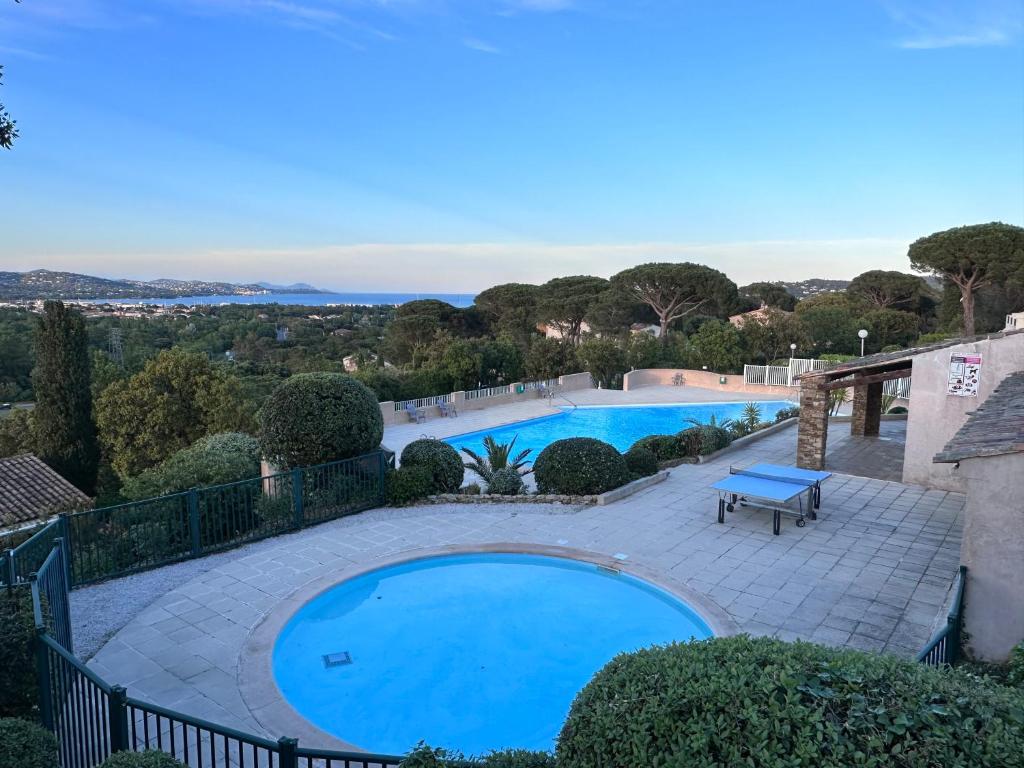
[[26, 745], [473, 489], [519, 758], [690, 441], [441, 461], [641, 461], [762, 702], [148, 759], [213, 460], [714, 438], [787, 413], [664, 447], [406, 485], [19, 696], [507, 482], [314, 418], [1015, 667], [578, 466], [424, 756], [898, 409]]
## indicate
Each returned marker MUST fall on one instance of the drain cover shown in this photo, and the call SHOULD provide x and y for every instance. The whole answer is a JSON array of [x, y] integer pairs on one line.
[[337, 659]]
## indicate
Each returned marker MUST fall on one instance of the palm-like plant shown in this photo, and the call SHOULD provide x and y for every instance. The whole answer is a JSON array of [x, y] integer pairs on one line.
[[751, 416], [498, 457], [727, 424]]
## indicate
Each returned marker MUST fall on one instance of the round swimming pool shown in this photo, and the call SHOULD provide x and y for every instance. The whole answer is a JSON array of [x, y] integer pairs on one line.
[[472, 652]]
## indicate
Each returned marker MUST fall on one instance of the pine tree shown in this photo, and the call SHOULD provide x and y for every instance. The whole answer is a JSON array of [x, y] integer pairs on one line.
[[64, 431]]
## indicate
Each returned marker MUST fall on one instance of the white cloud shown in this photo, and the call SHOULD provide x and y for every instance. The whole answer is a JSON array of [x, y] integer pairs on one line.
[[479, 45], [956, 23]]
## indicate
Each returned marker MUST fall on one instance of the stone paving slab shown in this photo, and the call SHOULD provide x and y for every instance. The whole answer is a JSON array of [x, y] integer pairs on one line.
[[871, 573]]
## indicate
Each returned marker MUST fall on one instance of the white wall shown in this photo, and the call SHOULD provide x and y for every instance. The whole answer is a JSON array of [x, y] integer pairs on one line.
[[935, 416]]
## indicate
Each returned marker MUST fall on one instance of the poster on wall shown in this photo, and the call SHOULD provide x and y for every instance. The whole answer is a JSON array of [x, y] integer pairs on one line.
[[964, 374]]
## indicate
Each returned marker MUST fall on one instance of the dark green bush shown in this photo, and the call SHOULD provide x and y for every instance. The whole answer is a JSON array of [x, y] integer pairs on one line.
[[714, 438], [473, 489], [149, 759], [641, 461], [19, 695], [314, 418], [406, 485], [1015, 667], [664, 447], [762, 702], [424, 756], [519, 758], [898, 409], [440, 460], [690, 441], [26, 745], [787, 413], [578, 466], [507, 482]]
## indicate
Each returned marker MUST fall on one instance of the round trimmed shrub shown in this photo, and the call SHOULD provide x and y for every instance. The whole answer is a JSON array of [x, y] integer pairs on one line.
[[26, 745], [789, 412], [314, 418], [218, 459], [713, 438], [507, 482], [149, 759], [664, 447], [763, 702], [440, 460], [580, 466], [406, 485], [690, 441], [641, 461]]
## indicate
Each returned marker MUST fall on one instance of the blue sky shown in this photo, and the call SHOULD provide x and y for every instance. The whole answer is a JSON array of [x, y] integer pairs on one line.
[[453, 144]]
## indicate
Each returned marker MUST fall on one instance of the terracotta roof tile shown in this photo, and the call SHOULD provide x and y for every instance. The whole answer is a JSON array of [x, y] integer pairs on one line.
[[995, 428], [30, 490]]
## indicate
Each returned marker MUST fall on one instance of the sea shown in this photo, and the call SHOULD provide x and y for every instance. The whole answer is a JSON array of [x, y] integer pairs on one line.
[[304, 299]]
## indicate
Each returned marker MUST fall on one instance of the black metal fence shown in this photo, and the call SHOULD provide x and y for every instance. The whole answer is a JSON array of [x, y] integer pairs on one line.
[[114, 541], [945, 645]]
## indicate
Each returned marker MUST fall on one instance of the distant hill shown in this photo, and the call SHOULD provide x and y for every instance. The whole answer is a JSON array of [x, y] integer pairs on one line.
[[44, 284], [293, 288], [814, 286]]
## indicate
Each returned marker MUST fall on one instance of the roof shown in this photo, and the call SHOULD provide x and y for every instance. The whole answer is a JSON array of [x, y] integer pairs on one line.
[[890, 360], [30, 490], [994, 429]]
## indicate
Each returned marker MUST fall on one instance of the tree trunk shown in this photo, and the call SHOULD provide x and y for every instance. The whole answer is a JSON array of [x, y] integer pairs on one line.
[[967, 299], [664, 329]]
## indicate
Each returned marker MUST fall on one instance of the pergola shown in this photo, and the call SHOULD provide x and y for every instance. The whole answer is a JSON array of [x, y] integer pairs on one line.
[[865, 376]]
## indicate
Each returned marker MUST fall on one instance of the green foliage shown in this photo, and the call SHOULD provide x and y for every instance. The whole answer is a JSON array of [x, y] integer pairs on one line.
[[664, 447], [883, 289], [519, 758], [63, 429], [578, 466], [17, 434], [213, 460], [408, 484], [837, 398], [26, 745], [148, 759], [550, 358], [751, 416], [472, 489], [511, 308], [424, 756], [714, 438], [761, 702], [177, 398], [507, 482], [931, 338], [767, 338], [314, 418], [8, 126], [641, 461], [1015, 666], [563, 303], [19, 695], [889, 327], [718, 346], [769, 294], [605, 360], [830, 322], [897, 409], [787, 413], [498, 456], [439, 459], [643, 351]]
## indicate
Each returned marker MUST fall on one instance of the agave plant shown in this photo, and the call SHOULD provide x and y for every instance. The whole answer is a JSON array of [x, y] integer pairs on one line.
[[498, 457], [751, 416], [887, 402]]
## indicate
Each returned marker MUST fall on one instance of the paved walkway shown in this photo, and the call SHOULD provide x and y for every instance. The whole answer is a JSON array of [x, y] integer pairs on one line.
[[872, 572], [880, 457]]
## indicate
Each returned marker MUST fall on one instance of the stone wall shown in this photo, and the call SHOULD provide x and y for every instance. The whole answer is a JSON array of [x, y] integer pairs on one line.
[[723, 382]]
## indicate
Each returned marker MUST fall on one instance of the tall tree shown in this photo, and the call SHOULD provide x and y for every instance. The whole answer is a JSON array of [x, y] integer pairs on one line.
[[511, 309], [972, 257], [770, 295], [564, 302], [884, 289], [8, 126], [65, 436], [673, 291]]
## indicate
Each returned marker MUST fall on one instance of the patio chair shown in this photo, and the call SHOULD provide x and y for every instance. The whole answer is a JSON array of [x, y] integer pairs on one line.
[[679, 380], [448, 410], [417, 415]]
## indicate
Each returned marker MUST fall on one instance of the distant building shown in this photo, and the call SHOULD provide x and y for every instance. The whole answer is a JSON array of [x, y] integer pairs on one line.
[[759, 315], [651, 328], [282, 333], [1014, 321], [553, 332], [30, 492]]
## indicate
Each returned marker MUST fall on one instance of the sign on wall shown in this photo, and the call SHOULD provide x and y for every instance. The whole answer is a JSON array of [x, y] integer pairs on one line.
[[964, 374]]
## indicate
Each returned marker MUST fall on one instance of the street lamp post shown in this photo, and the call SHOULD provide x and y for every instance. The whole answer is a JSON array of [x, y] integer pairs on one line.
[[863, 335]]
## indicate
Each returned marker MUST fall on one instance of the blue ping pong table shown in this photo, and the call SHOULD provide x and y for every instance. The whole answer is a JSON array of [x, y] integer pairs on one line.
[[810, 477], [776, 496]]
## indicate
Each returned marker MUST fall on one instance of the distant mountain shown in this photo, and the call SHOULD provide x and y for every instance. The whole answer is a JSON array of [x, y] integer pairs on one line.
[[44, 284], [814, 286], [293, 288]]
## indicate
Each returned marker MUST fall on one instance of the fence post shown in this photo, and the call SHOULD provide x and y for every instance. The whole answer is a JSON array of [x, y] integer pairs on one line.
[[193, 521], [65, 539], [118, 719], [382, 473], [9, 569], [44, 680], [297, 502], [286, 752]]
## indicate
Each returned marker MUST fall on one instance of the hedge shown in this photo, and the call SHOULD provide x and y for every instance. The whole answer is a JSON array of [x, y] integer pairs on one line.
[[19, 694], [424, 756], [406, 485], [440, 460], [641, 461], [507, 482], [763, 702], [26, 745], [578, 466], [664, 447], [315, 418], [148, 759], [218, 459]]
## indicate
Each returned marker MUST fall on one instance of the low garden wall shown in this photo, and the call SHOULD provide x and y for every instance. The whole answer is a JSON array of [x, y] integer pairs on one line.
[[724, 382]]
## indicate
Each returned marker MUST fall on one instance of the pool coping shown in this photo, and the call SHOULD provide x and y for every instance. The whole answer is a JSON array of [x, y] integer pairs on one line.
[[268, 706]]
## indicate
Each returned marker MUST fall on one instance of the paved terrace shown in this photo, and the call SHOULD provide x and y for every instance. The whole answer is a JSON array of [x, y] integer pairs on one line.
[[871, 573]]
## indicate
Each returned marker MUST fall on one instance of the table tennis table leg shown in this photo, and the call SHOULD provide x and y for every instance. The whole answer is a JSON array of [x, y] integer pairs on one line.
[[817, 497], [721, 509], [776, 521], [812, 503]]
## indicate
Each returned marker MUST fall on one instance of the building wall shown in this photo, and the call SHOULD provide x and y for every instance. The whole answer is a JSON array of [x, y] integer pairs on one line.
[[935, 416], [993, 551], [662, 377]]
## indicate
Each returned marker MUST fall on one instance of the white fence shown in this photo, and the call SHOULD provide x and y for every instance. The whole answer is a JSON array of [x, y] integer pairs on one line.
[[532, 386], [422, 402], [897, 388], [781, 375], [477, 394]]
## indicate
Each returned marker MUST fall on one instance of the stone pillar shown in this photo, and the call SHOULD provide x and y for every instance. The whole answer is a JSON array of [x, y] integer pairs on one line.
[[459, 400], [812, 429], [867, 410]]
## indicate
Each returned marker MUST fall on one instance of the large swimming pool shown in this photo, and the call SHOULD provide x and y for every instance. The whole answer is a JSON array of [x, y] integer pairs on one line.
[[620, 425], [474, 652]]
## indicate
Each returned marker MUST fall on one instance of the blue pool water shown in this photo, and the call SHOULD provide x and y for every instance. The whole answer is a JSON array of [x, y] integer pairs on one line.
[[620, 425], [472, 652]]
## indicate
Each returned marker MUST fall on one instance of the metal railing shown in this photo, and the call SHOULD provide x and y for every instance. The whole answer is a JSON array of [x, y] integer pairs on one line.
[[897, 388], [114, 541], [781, 375], [93, 719], [422, 402], [533, 386], [479, 394], [945, 645]]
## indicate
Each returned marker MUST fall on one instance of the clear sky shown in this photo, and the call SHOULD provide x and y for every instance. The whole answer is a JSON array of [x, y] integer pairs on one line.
[[454, 144]]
